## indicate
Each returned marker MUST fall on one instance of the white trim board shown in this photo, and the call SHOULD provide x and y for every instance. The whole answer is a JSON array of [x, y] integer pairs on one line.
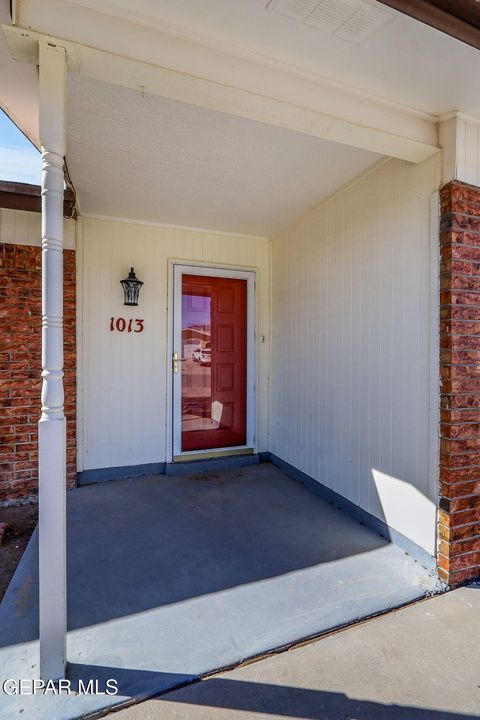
[[168, 226]]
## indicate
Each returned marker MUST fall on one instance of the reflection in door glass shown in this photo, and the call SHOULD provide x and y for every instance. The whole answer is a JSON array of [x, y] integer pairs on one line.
[[197, 351], [214, 368]]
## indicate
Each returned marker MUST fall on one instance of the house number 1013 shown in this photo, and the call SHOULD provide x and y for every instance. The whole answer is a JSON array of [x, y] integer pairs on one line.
[[122, 325]]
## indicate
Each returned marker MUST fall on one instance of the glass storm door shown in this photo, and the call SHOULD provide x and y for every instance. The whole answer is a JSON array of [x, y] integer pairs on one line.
[[209, 363]]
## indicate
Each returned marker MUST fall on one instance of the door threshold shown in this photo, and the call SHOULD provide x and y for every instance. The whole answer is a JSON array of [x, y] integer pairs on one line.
[[205, 464], [212, 454]]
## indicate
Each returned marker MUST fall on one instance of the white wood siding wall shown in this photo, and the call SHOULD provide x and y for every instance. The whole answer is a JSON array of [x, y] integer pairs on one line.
[[19, 227], [123, 377], [352, 314], [460, 140]]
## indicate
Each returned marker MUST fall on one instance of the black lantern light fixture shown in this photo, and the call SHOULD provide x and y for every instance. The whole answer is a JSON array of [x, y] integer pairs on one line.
[[131, 287]]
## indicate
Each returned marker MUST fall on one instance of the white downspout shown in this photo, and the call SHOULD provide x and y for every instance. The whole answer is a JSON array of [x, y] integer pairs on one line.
[[52, 425]]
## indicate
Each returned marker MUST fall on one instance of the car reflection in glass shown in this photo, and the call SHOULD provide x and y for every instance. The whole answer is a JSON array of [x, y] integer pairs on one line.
[[203, 354]]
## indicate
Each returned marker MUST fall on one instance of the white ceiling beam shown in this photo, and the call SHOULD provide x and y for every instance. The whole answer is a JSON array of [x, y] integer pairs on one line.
[[145, 59]]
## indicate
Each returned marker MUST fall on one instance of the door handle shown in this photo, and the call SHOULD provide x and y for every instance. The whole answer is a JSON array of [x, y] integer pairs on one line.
[[175, 361]]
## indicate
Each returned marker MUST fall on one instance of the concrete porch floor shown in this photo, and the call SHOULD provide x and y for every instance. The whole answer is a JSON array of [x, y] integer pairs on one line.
[[173, 577]]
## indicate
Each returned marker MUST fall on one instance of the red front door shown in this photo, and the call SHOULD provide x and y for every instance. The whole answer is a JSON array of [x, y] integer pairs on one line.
[[214, 365]]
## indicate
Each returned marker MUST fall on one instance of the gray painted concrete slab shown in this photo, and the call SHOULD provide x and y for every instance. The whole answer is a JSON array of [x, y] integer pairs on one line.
[[170, 578], [419, 663]]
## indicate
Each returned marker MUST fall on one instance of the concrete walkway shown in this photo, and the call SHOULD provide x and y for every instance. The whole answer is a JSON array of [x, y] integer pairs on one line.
[[418, 663], [173, 577]]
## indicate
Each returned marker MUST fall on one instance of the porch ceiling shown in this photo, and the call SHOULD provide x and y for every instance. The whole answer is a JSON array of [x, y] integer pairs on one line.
[[154, 159]]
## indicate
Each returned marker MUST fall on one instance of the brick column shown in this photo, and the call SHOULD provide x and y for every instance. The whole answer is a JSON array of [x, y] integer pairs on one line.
[[459, 513]]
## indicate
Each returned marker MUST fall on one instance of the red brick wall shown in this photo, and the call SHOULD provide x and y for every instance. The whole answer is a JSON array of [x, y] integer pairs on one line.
[[459, 514], [20, 367]]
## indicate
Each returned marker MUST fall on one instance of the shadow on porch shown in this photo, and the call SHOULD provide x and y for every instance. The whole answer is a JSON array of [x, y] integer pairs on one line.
[[172, 577]]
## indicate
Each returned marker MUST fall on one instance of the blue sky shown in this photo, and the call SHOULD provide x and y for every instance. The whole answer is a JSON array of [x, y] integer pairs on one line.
[[19, 159]]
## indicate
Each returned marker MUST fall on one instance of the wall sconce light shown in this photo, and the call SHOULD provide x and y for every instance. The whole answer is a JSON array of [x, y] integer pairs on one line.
[[131, 288]]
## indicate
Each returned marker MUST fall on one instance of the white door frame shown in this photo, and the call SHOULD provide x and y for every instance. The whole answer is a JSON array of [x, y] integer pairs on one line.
[[177, 269]]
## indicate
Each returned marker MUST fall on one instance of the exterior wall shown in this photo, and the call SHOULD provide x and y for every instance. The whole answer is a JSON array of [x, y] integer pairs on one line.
[[459, 516], [460, 140], [124, 377], [19, 227], [20, 351], [354, 386]]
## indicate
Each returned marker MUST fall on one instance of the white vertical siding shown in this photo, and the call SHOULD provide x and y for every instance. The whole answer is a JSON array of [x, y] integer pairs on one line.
[[124, 376], [19, 227], [460, 140], [352, 310]]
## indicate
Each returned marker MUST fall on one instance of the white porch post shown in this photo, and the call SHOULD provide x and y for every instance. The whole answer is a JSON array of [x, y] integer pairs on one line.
[[52, 427]]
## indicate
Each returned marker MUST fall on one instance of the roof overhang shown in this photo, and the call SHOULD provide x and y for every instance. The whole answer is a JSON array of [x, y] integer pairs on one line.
[[460, 20], [22, 196]]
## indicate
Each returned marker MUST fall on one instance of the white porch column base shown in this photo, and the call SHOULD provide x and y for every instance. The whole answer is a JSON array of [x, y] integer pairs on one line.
[[52, 425], [52, 548]]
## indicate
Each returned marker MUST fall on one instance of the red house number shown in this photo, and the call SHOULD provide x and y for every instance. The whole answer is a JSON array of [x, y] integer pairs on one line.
[[130, 325]]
